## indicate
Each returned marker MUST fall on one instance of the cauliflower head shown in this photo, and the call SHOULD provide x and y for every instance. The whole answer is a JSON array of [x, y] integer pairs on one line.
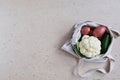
[[90, 46]]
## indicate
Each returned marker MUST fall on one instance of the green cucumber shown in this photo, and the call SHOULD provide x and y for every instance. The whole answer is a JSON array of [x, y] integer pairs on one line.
[[105, 42]]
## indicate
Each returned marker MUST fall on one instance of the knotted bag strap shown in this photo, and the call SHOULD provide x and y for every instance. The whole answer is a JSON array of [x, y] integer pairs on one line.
[[110, 64]]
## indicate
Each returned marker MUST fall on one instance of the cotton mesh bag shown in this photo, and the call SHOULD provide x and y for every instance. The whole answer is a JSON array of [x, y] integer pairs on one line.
[[71, 47]]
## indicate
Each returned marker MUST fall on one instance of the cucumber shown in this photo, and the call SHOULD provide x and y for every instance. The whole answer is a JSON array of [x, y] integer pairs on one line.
[[105, 43]]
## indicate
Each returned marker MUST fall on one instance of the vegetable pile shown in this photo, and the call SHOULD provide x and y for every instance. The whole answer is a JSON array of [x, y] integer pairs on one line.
[[93, 41]]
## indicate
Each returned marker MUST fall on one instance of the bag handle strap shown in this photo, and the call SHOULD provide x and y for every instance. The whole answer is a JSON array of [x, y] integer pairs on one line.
[[107, 69]]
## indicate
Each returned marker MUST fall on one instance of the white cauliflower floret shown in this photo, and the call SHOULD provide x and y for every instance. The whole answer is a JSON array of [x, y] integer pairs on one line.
[[90, 46]]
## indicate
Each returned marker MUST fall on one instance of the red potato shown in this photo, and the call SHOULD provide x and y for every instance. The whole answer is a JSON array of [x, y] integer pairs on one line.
[[99, 31], [85, 30]]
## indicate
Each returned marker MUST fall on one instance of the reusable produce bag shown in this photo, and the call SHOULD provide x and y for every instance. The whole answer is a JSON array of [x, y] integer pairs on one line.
[[106, 57]]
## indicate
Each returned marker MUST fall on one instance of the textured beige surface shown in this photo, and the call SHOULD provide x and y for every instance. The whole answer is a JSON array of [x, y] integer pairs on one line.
[[32, 32]]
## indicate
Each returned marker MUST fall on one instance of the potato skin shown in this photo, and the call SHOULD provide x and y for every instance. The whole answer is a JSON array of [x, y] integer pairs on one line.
[[85, 30], [99, 31]]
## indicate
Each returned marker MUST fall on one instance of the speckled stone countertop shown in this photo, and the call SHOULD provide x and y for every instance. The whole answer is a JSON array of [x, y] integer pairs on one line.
[[32, 32]]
